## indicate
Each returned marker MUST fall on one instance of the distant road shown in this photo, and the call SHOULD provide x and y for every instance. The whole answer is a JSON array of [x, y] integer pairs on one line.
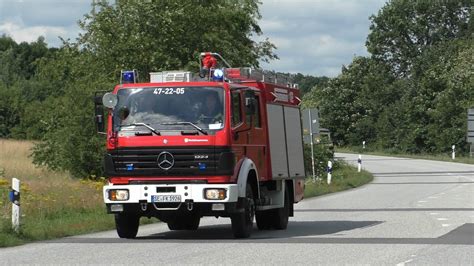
[[414, 212]]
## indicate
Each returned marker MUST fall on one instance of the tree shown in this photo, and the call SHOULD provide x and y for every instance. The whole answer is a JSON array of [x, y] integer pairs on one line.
[[402, 30], [164, 35], [143, 35], [18, 86], [350, 103], [307, 82]]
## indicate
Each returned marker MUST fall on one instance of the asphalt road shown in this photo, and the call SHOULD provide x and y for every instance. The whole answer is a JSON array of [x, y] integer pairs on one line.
[[414, 212]]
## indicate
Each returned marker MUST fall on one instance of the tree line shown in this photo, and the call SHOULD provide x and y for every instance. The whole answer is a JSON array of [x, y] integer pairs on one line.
[[46, 94], [411, 94]]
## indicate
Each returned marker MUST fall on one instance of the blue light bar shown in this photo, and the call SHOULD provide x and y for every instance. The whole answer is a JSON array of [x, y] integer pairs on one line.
[[218, 75], [128, 76]]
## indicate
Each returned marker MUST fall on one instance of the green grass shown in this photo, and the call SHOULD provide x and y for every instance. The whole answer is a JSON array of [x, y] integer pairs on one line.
[[53, 204], [60, 223], [435, 157], [344, 177]]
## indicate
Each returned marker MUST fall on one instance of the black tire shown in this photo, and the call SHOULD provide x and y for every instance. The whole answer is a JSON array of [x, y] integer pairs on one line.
[[281, 215], [127, 225], [242, 223], [264, 220]]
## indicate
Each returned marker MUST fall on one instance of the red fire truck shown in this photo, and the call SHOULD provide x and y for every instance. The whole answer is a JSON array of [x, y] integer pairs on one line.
[[226, 143]]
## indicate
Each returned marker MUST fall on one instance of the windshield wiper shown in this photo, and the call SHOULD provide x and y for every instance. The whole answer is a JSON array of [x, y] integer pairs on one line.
[[142, 125], [185, 123]]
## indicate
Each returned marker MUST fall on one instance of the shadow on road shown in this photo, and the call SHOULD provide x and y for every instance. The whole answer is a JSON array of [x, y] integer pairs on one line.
[[295, 229], [223, 233], [327, 232]]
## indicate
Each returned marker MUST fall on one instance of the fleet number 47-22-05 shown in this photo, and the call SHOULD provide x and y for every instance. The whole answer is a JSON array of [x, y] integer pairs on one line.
[[169, 91]]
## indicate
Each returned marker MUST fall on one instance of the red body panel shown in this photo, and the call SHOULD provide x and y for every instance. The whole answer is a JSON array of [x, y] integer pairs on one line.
[[252, 143]]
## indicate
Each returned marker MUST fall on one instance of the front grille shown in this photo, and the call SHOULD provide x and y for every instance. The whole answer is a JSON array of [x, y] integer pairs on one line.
[[187, 161]]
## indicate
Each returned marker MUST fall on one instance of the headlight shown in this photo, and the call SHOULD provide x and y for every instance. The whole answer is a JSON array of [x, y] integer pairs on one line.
[[118, 194], [215, 193]]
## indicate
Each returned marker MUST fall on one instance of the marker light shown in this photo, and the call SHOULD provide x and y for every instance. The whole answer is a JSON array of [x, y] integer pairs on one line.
[[128, 76], [218, 75], [118, 194], [215, 193]]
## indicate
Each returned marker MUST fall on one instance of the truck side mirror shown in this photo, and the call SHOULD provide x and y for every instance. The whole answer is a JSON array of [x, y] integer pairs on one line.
[[99, 119], [99, 114]]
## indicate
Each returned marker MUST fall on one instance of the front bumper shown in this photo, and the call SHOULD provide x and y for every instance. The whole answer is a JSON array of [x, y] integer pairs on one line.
[[188, 192]]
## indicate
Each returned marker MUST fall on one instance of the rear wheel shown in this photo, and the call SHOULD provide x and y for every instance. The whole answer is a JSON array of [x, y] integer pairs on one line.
[[280, 219], [242, 222], [127, 225]]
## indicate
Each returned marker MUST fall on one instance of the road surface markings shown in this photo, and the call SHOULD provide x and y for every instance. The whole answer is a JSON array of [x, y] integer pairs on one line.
[[422, 201], [403, 263], [434, 213], [442, 219], [445, 225]]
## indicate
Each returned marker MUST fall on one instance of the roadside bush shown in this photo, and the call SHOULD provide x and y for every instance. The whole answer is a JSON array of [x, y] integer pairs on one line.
[[322, 154]]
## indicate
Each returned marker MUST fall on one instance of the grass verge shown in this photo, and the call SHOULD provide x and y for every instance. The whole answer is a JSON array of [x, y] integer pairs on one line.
[[435, 157], [53, 204], [344, 177]]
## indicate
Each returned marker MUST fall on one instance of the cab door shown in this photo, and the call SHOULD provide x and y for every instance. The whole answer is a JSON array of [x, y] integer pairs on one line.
[[238, 128], [256, 142]]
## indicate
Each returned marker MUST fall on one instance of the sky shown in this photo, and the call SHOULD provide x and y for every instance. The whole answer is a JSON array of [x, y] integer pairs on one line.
[[313, 37]]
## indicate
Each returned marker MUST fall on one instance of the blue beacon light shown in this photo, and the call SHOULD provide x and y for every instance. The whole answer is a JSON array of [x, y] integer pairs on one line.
[[128, 76], [218, 75]]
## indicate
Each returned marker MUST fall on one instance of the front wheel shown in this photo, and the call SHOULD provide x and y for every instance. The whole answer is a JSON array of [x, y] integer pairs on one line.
[[127, 225], [242, 222]]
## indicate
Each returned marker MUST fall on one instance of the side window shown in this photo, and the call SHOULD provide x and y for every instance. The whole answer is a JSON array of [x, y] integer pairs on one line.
[[236, 111], [256, 118]]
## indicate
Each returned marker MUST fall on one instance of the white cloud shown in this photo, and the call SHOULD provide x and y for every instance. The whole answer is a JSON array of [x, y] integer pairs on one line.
[[21, 33], [316, 37]]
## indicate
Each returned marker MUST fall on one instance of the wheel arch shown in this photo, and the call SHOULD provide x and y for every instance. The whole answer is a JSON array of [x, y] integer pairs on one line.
[[248, 173]]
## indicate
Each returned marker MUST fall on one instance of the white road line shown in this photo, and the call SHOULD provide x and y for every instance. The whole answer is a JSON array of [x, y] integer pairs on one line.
[[434, 213], [422, 201], [445, 225], [403, 263], [442, 219]]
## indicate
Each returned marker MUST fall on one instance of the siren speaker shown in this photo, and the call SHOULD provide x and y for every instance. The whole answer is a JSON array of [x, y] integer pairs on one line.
[[109, 100]]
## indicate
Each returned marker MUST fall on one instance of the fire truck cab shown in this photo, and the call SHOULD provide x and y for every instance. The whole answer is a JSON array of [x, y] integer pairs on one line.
[[226, 144]]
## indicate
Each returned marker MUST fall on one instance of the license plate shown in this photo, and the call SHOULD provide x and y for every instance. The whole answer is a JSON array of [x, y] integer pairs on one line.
[[166, 198]]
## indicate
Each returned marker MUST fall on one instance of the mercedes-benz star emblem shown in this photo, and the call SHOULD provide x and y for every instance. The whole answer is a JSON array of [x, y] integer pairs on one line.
[[165, 160]]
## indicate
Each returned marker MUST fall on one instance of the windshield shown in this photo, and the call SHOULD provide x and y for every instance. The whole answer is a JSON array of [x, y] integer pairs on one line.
[[170, 108]]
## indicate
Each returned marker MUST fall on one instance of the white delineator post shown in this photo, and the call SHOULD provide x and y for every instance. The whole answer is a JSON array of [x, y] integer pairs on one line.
[[359, 163], [312, 144], [454, 152], [329, 172], [15, 199], [363, 144]]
